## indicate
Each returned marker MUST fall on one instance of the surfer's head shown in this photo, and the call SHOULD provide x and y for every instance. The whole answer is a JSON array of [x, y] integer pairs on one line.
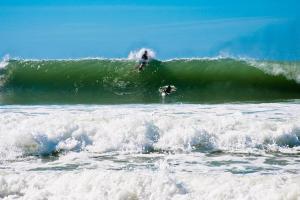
[[146, 52]]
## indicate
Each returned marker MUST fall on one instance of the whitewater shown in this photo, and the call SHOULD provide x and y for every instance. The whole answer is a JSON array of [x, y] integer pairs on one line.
[[96, 128], [227, 151]]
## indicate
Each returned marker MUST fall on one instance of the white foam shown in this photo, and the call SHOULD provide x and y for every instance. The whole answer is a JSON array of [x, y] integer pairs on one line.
[[290, 70], [137, 54], [161, 184], [102, 146], [4, 61], [43, 131], [92, 184]]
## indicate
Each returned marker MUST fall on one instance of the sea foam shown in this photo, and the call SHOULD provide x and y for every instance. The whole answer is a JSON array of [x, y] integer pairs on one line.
[[95, 184], [126, 129], [4, 61], [226, 151], [137, 54]]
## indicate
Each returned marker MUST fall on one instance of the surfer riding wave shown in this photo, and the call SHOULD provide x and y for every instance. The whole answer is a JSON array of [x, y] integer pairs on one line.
[[143, 61]]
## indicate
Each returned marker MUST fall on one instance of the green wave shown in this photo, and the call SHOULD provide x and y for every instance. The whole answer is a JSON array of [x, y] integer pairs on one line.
[[118, 81]]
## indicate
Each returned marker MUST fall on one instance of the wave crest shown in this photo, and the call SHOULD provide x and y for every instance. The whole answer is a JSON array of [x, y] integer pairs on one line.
[[118, 81], [137, 54], [4, 61]]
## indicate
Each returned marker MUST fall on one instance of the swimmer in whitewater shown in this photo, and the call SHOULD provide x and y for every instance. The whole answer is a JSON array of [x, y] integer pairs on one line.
[[144, 60]]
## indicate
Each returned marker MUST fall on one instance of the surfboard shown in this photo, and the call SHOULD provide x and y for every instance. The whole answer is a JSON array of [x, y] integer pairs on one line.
[[163, 92]]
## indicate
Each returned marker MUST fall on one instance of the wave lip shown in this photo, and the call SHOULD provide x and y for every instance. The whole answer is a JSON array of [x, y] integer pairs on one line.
[[137, 54]]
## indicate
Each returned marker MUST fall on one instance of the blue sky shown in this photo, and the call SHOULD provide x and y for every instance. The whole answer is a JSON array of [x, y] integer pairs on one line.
[[262, 29]]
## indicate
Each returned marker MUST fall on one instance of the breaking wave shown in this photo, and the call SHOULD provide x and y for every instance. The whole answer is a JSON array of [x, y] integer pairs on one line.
[[117, 80], [142, 129]]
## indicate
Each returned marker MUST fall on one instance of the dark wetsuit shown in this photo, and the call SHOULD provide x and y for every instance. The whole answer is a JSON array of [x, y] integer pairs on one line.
[[144, 58], [143, 61], [168, 90]]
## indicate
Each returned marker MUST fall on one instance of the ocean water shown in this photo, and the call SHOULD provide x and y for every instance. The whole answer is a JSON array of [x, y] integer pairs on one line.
[[116, 81], [98, 129]]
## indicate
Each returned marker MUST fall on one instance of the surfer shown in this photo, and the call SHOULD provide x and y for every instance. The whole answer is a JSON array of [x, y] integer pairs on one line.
[[168, 90], [144, 60]]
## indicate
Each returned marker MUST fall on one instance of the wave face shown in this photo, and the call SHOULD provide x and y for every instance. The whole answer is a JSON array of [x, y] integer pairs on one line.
[[118, 81]]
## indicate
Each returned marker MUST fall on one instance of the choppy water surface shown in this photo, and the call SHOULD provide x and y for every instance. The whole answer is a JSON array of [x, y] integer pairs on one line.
[[223, 151]]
